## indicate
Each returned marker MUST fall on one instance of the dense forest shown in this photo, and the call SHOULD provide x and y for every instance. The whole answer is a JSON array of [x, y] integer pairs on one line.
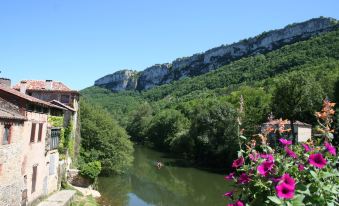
[[198, 118]]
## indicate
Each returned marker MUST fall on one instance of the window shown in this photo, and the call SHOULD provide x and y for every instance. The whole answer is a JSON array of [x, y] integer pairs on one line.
[[35, 171], [65, 99], [33, 132], [7, 135], [40, 132]]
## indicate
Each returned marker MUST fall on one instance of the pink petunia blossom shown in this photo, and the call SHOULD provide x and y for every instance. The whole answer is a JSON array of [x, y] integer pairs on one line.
[[317, 160], [285, 141], [330, 149], [230, 176], [268, 157], [243, 179], [228, 194], [275, 180], [237, 203], [306, 147], [301, 167], [287, 179], [265, 167], [238, 162], [290, 153], [285, 191], [254, 156]]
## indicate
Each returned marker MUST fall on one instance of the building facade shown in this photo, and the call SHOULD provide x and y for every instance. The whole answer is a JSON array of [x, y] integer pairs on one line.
[[60, 95], [28, 155]]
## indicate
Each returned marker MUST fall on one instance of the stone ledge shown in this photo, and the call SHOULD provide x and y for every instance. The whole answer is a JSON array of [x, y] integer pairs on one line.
[[60, 198]]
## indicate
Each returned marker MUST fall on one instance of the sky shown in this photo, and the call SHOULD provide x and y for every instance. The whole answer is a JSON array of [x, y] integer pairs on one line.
[[79, 41]]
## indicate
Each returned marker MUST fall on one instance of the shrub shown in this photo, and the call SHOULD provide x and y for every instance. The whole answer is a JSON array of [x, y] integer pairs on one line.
[[90, 170], [300, 174]]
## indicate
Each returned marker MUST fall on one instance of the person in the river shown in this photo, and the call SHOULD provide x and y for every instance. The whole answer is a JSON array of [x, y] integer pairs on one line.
[[159, 165]]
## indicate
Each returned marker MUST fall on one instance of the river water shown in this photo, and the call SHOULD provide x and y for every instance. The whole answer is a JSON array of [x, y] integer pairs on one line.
[[172, 185]]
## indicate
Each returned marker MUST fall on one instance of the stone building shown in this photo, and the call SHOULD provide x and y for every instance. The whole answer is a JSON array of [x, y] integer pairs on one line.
[[303, 131], [28, 147], [60, 95]]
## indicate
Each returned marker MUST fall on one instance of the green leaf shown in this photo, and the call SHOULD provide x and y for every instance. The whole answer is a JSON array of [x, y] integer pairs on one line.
[[298, 200], [275, 199], [302, 189], [314, 175]]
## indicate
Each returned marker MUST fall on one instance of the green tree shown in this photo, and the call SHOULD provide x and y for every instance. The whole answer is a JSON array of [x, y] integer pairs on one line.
[[214, 130], [104, 140], [257, 105], [139, 122], [166, 127], [297, 97]]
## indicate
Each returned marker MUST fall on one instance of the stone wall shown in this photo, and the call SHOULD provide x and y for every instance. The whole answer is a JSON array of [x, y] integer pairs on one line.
[[11, 179]]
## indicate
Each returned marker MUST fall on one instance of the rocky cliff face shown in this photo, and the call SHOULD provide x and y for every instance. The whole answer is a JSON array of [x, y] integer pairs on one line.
[[216, 57], [118, 81]]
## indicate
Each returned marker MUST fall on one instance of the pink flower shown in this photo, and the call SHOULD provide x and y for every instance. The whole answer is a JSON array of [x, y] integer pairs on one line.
[[306, 147], [285, 141], [238, 162], [330, 149], [230, 176], [265, 167], [268, 157], [228, 194], [317, 160], [287, 179], [301, 167], [290, 153], [243, 179], [254, 156], [285, 191], [275, 180], [237, 203]]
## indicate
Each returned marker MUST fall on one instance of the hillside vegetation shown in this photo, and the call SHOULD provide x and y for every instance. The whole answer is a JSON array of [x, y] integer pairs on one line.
[[196, 118]]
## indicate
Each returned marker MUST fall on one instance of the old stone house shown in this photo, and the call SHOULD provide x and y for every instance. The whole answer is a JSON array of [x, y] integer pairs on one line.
[[303, 131], [28, 147], [58, 94]]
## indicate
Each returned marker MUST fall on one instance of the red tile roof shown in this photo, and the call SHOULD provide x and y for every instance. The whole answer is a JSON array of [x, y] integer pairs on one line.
[[55, 102], [42, 85], [10, 111], [5, 114], [27, 97], [288, 122]]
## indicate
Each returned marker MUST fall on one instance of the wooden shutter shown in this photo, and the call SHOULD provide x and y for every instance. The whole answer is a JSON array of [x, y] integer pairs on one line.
[[40, 132], [35, 171], [6, 139], [33, 132]]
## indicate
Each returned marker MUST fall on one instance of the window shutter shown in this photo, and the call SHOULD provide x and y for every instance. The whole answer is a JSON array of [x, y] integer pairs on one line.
[[33, 132], [40, 132]]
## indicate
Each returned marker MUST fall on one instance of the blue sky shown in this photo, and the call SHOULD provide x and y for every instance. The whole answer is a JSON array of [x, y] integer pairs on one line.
[[78, 41]]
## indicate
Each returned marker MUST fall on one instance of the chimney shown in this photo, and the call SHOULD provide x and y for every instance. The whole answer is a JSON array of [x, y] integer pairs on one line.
[[5, 82], [49, 84], [23, 87]]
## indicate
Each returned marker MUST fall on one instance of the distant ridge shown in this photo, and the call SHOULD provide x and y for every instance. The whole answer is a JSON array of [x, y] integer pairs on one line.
[[201, 63]]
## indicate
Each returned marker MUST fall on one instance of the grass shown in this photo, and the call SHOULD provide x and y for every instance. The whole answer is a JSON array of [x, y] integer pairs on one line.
[[79, 199]]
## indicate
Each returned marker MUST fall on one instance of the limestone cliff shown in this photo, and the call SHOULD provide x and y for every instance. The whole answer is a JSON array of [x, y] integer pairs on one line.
[[216, 57], [118, 81]]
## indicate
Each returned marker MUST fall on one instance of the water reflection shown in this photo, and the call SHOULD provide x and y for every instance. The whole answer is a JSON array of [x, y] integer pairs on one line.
[[171, 186]]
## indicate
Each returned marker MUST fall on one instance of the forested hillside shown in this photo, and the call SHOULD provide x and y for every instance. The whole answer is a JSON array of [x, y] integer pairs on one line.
[[196, 118]]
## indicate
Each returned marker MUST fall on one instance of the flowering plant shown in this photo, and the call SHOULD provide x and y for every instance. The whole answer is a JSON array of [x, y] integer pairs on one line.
[[287, 174]]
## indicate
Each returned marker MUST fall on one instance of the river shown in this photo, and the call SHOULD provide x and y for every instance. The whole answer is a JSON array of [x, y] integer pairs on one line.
[[172, 185]]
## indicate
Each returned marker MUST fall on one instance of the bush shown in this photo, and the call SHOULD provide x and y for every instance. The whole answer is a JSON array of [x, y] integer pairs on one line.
[[90, 170], [104, 140], [301, 174], [166, 127]]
